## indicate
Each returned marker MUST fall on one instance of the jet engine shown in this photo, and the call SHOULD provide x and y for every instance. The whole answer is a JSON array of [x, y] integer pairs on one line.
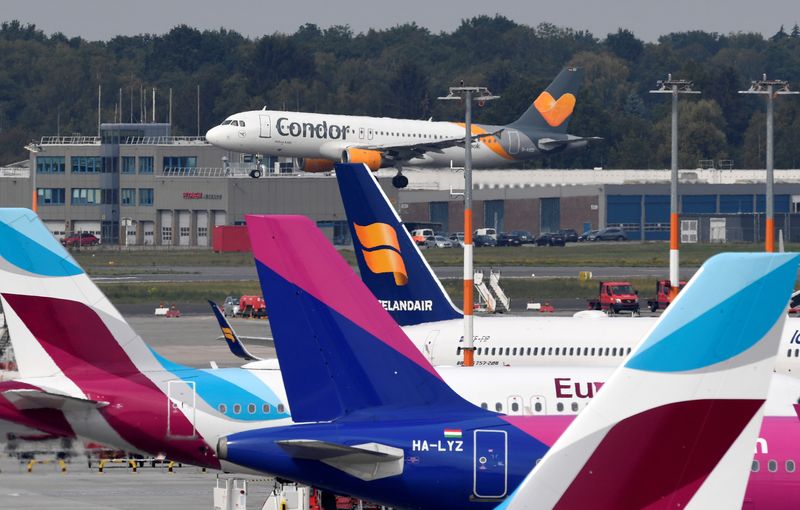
[[373, 159], [313, 165]]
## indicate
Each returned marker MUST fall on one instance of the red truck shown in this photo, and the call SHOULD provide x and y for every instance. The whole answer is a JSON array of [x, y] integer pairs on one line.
[[615, 297], [663, 295], [252, 306]]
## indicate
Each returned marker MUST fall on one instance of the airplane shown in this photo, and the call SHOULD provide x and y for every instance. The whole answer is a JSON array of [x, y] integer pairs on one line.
[[233, 340], [379, 142], [395, 271], [375, 419]]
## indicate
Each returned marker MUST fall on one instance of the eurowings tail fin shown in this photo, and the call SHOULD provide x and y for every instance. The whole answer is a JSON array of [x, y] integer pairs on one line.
[[340, 352], [674, 427], [552, 109], [231, 338], [390, 263]]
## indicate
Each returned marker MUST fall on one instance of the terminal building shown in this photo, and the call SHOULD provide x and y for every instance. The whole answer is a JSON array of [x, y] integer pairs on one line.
[[136, 185]]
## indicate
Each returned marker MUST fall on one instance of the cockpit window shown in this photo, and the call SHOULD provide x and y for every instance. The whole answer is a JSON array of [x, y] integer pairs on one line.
[[226, 122], [241, 123]]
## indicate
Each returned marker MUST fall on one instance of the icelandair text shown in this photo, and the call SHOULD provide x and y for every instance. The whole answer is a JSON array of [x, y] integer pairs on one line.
[[408, 305]]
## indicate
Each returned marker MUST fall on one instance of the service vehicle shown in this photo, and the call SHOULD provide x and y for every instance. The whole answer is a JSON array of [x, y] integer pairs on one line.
[[252, 306], [616, 297], [486, 232], [664, 295], [420, 235]]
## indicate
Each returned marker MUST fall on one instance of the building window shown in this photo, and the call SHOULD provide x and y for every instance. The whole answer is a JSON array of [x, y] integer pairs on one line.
[[166, 234], [50, 196], [50, 164], [128, 165], [146, 164], [184, 231], [86, 164], [145, 196], [110, 196], [128, 196], [86, 196], [180, 162], [202, 231]]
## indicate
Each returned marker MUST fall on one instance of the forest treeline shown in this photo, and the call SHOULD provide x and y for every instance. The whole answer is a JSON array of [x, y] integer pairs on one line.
[[48, 83]]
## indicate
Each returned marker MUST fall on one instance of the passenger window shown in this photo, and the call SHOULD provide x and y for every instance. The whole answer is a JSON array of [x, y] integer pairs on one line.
[[281, 408], [237, 409], [571, 350], [614, 351], [575, 407], [493, 350], [484, 405], [790, 466], [251, 408], [478, 350], [498, 407], [514, 407], [535, 351], [560, 407], [514, 352], [606, 351], [538, 407], [754, 467], [592, 351], [557, 350], [508, 350], [629, 350], [796, 352], [585, 351], [550, 351], [223, 408], [529, 351], [265, 408], [772, 466], [458, 351]]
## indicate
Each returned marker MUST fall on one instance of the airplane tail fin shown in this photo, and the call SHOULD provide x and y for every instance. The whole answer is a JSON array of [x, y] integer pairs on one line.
[[339, 350], [676, 424], [59, 321], [390, 263], [553, 108], [231, 338]]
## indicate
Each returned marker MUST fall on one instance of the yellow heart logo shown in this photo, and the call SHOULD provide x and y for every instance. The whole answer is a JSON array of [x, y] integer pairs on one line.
[[555, 112]]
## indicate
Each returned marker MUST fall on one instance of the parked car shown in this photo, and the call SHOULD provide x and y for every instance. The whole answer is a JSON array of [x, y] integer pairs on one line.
[[550, 239], [230, 308], [570, 235], [508, 239], [525, 237], [585, 236], [442, 242], [483, 240], [486, 232], [80, 239], [457, 238], [609, 234]]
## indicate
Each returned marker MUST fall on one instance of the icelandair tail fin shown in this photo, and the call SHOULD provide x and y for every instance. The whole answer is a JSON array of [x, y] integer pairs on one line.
[[231, 338], [552, 109], [339, 350], [390, 263], [59, 321], [674, 427]]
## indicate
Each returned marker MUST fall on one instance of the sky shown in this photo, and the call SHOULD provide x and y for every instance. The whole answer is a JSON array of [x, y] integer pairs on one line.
[[648, 19]]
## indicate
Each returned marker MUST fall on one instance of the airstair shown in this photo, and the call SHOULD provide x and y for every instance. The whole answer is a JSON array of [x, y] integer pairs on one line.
[[489, 296]]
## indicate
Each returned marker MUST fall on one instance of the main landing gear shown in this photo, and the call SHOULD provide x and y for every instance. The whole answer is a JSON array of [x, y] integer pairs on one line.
[[399, 181]]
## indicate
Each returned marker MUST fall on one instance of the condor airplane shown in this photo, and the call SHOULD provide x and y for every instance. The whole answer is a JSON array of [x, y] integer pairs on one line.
[[322, 139], [395, 271], [674, 426]]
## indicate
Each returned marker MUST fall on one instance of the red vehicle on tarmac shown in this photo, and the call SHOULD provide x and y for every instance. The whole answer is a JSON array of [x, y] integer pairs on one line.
[[80, 239], [664, 295], [252, 306], [616, 297]]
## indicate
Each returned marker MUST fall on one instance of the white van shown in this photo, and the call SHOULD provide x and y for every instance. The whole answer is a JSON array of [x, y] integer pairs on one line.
[[486, 232]]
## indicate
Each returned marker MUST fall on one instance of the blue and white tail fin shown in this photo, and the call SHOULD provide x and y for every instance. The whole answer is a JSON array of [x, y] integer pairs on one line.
[[340, 352], [229, 335], [674, 427], [390, 263]]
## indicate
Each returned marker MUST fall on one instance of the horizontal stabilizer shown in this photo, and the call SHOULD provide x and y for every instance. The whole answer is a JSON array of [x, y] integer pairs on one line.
[[37, 399], [548, 144], [369, 461]]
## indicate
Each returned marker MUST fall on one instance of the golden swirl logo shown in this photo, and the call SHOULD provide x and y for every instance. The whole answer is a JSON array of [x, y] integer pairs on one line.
[[381, 250]]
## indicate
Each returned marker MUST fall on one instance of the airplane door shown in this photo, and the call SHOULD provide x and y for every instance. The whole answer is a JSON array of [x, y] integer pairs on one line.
[[490, 464], [370, 132], [513, 142], [266, 126], [430, 344], [181, 405], [361, 133], [538, 405], [515, 405]]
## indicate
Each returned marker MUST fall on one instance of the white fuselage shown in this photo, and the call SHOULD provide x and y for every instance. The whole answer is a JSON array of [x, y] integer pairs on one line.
[[324, 136]]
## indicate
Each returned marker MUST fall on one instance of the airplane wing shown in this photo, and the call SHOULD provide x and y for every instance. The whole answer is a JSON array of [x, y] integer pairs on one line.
[[23, 398], [407, 151], [268, 340], [369, 461]]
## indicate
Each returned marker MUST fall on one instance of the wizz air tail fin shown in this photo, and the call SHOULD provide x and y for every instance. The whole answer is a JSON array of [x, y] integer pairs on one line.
[[59, 321], [233, 340], [552, 109], [390, 263], [674, 427], [339, 350]]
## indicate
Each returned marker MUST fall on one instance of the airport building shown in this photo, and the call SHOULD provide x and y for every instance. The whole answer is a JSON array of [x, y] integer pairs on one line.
[[136, 185]]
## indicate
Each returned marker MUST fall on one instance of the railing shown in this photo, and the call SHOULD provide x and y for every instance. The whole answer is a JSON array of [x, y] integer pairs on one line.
[[70, 140], [14, 172], [165, 140], [235, 170]]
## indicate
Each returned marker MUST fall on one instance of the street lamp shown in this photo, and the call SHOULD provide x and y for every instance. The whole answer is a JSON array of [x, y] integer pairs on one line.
[[674, 87], [468, 95], [770, 88], [34, 148]]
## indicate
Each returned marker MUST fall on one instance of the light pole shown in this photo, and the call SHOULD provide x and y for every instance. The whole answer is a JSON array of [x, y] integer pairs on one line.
[[674, 87], [770, 88], [468, 95], [34, 148]]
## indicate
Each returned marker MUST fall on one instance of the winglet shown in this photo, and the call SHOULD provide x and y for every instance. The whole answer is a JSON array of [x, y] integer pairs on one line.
[[231, 338], [339, 350], [676, 424], [390, 263]]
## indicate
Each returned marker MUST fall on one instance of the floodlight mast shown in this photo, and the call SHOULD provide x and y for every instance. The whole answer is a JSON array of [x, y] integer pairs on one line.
[[770, 88], [468, 95], [674, 87]]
